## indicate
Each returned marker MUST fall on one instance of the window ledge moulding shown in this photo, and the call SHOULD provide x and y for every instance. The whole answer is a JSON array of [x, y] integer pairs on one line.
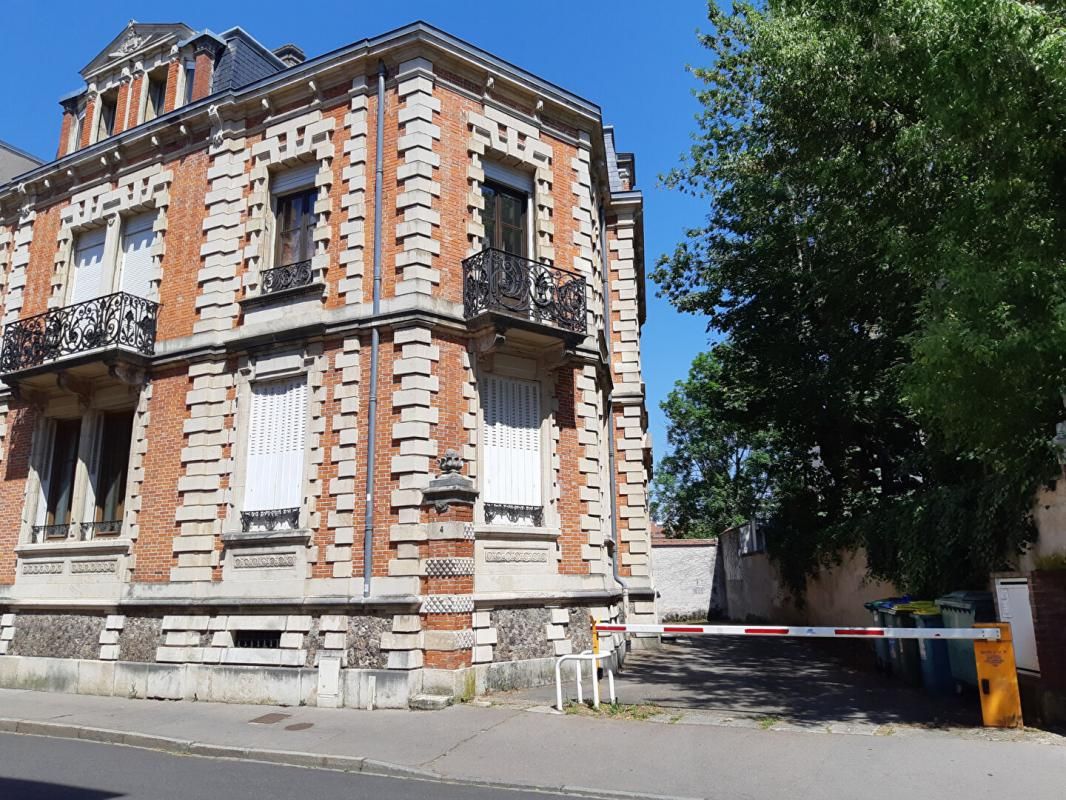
[[258, 538], [316, 288], [516, 533], [74, 548]]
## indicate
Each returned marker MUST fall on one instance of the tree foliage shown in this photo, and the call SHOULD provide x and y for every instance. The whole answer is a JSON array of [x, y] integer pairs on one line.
[[884, 253], [715, 476]]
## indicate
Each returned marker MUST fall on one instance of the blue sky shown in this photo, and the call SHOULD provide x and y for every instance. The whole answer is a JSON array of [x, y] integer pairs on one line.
[[627, 56]]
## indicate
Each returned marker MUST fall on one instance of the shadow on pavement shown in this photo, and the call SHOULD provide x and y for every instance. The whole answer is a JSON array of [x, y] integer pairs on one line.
[[39, 790], [791, 678]]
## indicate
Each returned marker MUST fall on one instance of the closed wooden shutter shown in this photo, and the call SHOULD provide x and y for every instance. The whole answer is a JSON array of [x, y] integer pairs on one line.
[[276, 428], [293, 180], [512, 444], [89, 267], [138, 268]]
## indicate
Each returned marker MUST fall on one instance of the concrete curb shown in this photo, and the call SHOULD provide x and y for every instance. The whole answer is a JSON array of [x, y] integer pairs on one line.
[[294, 758]]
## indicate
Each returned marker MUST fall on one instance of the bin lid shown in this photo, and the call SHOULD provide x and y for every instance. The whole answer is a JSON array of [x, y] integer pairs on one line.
[[915, 606], [884, 602], [966, 601]]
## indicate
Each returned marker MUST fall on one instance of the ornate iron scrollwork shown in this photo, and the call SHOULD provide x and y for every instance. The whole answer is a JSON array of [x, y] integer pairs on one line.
[[115, 320], [289, 276], [107, 527], [514, 514], [44, 533], [494, 280], [271, 519]]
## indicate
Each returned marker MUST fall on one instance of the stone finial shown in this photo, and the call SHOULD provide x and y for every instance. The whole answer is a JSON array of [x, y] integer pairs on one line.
[[451, 462]]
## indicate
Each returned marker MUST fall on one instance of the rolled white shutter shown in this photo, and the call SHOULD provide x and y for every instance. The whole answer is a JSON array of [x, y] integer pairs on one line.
[[138, 268], [293, 180], [274, 476], [512, 442], [89, 267]]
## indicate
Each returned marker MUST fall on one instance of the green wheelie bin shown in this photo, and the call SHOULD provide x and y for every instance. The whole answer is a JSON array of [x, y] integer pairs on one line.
[[962, 610]]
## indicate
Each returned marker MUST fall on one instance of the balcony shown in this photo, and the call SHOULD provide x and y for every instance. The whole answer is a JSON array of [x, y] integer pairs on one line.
[[114, 327], [511, 291], [289, 276]]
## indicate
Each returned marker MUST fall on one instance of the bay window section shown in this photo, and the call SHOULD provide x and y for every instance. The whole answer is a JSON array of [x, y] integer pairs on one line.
[[293, 196], [274, 467], [511, 446], [115, 433], [505, 218]]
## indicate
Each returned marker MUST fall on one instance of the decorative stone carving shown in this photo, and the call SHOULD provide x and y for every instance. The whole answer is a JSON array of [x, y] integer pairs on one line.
[[449, 567], [93, 567], [449, 486], [516, 556], [46, 568], [447, 604], [267, 561]]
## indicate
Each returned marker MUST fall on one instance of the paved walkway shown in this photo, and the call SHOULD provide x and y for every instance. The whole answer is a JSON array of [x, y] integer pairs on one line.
[[511, 746], [749, 681]]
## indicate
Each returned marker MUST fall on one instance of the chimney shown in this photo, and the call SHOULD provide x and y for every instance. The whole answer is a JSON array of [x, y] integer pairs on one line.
[[290, 54]]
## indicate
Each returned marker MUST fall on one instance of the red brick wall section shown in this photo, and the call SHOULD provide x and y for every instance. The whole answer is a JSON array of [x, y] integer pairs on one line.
[[122, 103], [42, 260], [569, 476], [170, 98], [154, 549], [201, 84], [21, 420], [136, 87], [64, 133], [1047, 591], [327, 469], [181, 261], [90, 121]]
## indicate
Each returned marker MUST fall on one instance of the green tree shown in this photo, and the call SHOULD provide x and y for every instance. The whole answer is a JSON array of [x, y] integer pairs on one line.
[[884, 252], [716, 475]]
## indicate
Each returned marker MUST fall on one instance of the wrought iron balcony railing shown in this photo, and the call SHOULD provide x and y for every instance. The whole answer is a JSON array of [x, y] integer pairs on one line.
[[496, 281], [84, 531], [533, 515], [270, 519], [288, 276], [119, 320]]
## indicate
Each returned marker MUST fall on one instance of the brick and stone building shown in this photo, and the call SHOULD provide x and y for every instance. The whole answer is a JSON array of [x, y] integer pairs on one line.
[[321, 377]]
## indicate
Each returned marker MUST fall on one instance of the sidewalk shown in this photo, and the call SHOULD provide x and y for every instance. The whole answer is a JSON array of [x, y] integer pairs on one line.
[[516, 747]]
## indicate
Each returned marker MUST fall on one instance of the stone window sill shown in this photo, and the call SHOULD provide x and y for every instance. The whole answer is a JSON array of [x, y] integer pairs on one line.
[[524, 532], [73, 548], [259, 538], [315, 288]]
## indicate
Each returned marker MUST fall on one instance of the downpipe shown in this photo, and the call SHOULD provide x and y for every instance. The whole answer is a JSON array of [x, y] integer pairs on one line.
[[375, 340]]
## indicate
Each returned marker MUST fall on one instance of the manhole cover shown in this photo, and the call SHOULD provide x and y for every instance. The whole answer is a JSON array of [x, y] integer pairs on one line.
[[299, 726], [270, 719]]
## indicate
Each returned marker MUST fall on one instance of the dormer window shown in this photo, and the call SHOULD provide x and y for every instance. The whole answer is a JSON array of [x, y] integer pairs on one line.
[[156, 96], [107, 106]]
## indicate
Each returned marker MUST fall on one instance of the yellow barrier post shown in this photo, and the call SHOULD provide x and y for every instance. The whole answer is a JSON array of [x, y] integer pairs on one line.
[[997, 679], [595, 635]]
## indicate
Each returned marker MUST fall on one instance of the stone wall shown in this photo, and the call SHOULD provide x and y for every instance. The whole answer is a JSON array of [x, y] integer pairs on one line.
[[57, 635], [684, 578]]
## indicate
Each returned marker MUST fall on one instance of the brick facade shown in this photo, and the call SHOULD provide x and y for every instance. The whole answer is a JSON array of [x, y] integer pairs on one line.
[[446, 583]]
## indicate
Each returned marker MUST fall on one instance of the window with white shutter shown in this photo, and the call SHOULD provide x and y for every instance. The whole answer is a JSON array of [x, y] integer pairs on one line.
[[138, 269], [511, 445], [275, 467], [89, 273]]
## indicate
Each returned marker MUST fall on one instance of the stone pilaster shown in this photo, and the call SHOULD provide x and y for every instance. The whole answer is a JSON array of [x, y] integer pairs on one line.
[[224, 234], [417, 230], [207, 461], [345, 455], [20, 259], [353, 204]]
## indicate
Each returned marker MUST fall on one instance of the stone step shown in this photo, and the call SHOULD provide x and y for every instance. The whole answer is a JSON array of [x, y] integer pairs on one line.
[[429, 702]]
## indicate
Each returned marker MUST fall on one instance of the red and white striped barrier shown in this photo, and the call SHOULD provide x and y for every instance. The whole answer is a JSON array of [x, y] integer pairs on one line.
[[987, 634]]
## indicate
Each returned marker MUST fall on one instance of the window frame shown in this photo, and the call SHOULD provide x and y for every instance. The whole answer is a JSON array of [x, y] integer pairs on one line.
[[502, 190], [149, 109], [503, 368], [105, 100]]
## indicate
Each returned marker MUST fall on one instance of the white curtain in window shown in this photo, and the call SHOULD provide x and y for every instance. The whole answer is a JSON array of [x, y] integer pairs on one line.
[[138, 269], [89, 267], [276, 429], [512, 443]]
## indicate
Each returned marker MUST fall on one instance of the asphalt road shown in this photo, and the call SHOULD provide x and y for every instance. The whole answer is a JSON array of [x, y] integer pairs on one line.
[[39, 768]]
